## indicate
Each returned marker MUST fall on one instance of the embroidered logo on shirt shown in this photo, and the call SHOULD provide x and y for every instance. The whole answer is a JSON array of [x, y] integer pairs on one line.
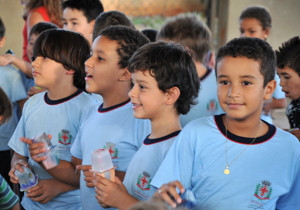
[[64, 137], [263, 191], [113, 151], [144, 180], [212, 106]]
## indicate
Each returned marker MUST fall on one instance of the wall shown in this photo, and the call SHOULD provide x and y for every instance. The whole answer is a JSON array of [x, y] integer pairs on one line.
[[285, 19]]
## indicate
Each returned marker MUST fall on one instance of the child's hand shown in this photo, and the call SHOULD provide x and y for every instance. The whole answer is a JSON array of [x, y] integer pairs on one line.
[[89, 175], [167, 190], [17, 166], [44, 191], [6, 59], [34, 90], [35, 149], [296, 132], [112, 194]]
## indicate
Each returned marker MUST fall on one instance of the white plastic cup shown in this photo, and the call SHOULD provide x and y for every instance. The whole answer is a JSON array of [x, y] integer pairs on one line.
[[102, 164]]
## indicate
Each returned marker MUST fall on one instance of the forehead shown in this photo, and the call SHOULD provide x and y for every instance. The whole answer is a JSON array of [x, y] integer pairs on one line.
[[33, 36], [238, 66], [70, 13], [286, 70], [250, 22], [105, 45]]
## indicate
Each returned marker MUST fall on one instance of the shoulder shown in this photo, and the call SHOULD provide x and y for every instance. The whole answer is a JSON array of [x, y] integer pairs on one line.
[[88, 98]]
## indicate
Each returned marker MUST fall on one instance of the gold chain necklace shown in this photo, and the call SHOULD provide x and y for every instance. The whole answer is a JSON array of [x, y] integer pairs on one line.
[[226, 171]]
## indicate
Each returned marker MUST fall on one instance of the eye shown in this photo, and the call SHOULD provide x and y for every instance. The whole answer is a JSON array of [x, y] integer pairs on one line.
[[247, 83], [142, 87], [286, 77], [64, 23], [224, 82], [252, 32], [74, 24], [100, 58]]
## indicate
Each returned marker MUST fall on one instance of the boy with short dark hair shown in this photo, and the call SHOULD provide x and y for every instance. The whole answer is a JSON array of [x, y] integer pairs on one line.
[[193, 34], [288, 68], [236, 160], [110, 18], [80, 15], [166, 84]]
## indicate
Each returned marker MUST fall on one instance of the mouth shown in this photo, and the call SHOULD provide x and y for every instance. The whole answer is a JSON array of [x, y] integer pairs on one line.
[[287, 94], [135, 106], [34, 73], [234, 105], [88, 76]]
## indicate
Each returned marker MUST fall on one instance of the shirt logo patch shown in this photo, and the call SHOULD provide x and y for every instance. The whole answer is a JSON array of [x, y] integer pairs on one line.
[[212, 105], [65, 137], [262, 195], [113, 151], [144, 180]]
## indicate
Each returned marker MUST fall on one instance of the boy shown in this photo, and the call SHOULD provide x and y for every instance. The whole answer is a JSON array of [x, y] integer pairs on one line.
[[11, 84], [58, 66], [288, 68], [166, 84], [227, 160], [8, 199], [110, 18], [191, 32], [80, 15]]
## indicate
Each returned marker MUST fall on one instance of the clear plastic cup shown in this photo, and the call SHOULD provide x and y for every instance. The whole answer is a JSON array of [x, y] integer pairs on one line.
[[188, 200], [102, 164], [26, 179], [43, 138], [52, 159]]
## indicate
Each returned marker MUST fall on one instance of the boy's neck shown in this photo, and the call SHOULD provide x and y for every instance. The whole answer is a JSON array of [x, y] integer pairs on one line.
[[60, 93], [249, 128], [164, 125], [201, 69], [116, 96]]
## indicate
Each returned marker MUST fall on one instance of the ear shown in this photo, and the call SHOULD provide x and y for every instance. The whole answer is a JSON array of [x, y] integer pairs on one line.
[[92, 23], [266, 33], [172, 95], [269, 89], [126, 75], [211, 61], [69, 72], [2, 41]]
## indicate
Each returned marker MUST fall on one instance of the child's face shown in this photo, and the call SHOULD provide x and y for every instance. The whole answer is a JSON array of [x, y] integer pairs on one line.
[[74, 20], [29, 49], [290, 82], [102, 68], [47, 73], [240, 87], [147, 99], [251, 27]]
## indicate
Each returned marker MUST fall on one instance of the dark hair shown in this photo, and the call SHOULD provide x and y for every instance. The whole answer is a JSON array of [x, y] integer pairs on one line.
[[128, 39], [289, 55], [260, 13], [65, 47], [189, 31], [40, 27], [150, 33], [5, 107], [90, 8], [110, 18], [251, 48], [171, 66], [2, 29]]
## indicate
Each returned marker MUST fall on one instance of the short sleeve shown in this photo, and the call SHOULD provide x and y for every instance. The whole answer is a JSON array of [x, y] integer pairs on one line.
[[177, 165], [76, 149], [8, 198]]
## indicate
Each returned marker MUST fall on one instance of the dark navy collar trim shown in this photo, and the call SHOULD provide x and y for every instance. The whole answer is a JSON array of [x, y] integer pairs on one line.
[[208, 71], [59, 101], [243, 140], [148, 141], [101, 109]]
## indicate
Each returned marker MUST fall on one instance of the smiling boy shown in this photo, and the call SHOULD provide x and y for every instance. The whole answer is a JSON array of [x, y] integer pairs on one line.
[[288, 68], [236, 159]]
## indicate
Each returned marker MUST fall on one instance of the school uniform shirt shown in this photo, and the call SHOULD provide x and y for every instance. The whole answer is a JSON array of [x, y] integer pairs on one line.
[[293, 113], [144, 165], [208, 103], [11, 83], [265, 176], [61, 119], [113, 128]]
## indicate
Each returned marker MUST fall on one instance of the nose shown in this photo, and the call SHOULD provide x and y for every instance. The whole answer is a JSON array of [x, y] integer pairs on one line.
[[88, 62], [234, 91], [282, 82], [132, 93]]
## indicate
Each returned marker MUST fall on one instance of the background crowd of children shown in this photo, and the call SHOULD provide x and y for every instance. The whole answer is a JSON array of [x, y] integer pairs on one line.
[[173, 115]]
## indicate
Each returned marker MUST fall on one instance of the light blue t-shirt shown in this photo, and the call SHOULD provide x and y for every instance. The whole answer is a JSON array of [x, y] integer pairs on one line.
[[112, 128], [61, 119], [265, 176], [11, 83], [144, 165], [208, 103]]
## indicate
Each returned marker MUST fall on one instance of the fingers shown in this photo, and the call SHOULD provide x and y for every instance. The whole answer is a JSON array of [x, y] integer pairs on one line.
[[84, 167], [89, 177], [35, 191], [169, 194], [13, 177]]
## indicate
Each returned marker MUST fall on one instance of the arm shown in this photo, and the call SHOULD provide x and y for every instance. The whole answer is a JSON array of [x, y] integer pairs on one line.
[[296, 133], [274, 104], [47, 189], [32, 19], [64, 172], [21, 64], [112, 194], [16, 163]]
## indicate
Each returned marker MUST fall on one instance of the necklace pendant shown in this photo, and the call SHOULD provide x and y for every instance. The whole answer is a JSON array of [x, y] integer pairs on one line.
[[226, 171]]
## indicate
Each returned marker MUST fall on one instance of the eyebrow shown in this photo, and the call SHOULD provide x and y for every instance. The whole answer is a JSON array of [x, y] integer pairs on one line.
[[70, 19], [140, 80], [283, 73], [244, 76], [100, 51]]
